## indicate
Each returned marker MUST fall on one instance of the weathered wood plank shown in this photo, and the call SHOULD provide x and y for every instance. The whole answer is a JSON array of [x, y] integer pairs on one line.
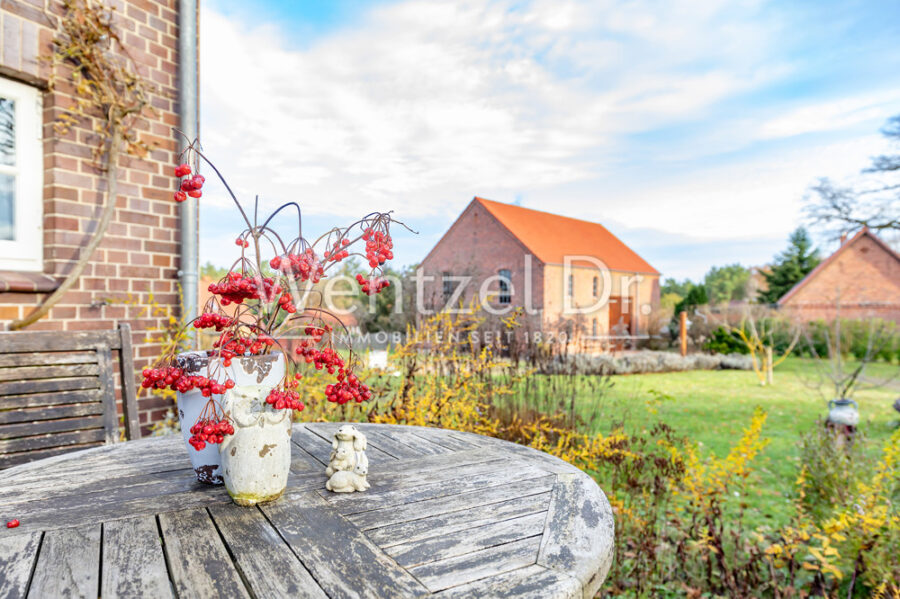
[[578, 538], [198, 562], [129, 389], [418, 442], [478, 477], [311, 443], [41, 341], [139, 457], [49, 413], [432, 468], [55, 440], [24, 373], [440, 437], [468, 514], [12, 460], [133, 561], [443, 505], [108, 387], [343, 561], [455, 571], [269, 566], [461, 542], [530, 582], [49, 385], [44, 427], [16, 402], [17, 558], [68, 564], [547, 461], [47, 358]]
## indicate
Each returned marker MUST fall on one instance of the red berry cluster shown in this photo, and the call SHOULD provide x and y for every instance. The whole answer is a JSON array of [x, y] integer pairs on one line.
[[208, 320], [284, 399], [305, 266], [378, 247], [339, 252], [231, 345], [209, 429], [236, 288], [373, 285], [348, 387], [321, 358], [286, 301], [241, 243], [190, 186], [175, 379]]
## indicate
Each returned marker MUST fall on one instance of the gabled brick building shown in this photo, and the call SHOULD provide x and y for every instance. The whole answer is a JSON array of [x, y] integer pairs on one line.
[[862, 277], [51, 194], [555, 267]]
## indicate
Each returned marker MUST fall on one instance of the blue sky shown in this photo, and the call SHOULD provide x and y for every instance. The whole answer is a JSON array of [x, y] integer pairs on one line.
[[690, 129]]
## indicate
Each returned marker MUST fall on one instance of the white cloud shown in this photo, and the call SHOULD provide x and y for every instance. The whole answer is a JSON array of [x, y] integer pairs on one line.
[[833, 115], [419, 105]]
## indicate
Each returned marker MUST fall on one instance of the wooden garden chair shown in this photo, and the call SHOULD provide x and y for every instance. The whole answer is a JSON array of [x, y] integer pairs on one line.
[[57, 392]]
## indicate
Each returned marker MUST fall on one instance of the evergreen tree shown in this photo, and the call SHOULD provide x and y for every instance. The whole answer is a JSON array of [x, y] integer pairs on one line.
[[790, 266]]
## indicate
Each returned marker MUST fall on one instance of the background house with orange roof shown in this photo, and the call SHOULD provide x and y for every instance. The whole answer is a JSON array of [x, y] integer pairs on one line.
[[555, 267], [861, 279]]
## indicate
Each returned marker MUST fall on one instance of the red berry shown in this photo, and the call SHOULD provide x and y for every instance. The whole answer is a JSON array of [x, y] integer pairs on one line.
[[180, 196], [195, 193], [12, 523]]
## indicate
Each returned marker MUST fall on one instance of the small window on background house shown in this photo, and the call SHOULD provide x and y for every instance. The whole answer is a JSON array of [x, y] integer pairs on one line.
[[594, 326], [505, 285], [571, 285], [21, 173], [596, 288], [447, 285]]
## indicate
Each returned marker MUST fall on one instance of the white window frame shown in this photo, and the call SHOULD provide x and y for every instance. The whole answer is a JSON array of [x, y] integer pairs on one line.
[[26, 251]]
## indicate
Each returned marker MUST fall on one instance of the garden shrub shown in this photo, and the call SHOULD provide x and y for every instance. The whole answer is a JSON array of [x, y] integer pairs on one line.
[[682, 525], [725, 341]]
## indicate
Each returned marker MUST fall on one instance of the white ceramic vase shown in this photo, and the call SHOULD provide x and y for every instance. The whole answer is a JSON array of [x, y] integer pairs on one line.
[[253, 375], [256, 459]]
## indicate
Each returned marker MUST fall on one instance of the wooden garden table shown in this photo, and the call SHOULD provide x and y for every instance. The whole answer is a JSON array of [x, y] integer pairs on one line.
[[449, 514]]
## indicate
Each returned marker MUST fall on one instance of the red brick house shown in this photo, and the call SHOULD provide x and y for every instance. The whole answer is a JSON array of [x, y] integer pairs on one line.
[[51, 194], [862, 277], [556, 268]]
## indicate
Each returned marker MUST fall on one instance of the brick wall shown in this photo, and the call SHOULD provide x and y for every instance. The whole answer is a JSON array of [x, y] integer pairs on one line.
[[478, 246], [136, 264], [864, 278]]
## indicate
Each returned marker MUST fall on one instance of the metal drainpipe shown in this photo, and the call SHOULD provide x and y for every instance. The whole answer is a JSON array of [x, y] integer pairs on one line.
[[188, 118]]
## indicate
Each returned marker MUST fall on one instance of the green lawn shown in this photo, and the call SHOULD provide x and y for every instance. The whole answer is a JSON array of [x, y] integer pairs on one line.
[[713, 407]]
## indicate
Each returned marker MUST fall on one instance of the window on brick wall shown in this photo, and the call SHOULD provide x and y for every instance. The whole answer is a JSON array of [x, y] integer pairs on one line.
[[571, 288], [448, 285], [596, 287], [505, 284], [21, 177]]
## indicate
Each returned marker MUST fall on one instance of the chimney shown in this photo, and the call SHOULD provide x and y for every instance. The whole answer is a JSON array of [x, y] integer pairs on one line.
[[843, 238]]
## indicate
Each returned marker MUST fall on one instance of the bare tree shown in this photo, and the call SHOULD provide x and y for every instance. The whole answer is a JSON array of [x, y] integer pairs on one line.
[[873, 204], [758, 330], [832, 368]]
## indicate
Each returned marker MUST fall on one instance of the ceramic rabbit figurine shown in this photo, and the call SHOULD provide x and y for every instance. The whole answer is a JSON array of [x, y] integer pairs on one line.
[[348, 464], [348, 481]]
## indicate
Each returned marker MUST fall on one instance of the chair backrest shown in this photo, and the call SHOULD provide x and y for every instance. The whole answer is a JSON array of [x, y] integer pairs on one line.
[[57, 392]]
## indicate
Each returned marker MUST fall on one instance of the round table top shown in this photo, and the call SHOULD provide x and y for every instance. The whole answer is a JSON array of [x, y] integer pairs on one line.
[[448, 514]]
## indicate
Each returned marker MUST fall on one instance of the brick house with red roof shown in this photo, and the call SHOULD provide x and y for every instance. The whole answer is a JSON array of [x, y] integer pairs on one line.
[[862, 277], [51, 195], [556, 268]]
